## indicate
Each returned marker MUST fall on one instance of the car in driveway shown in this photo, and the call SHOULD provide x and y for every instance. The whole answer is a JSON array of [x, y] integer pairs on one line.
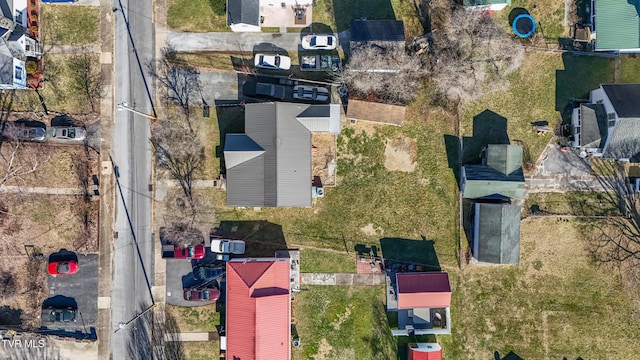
[[227, 246], [201, 294], [65, 315], [310, 93], [204, 272], [319, 42], [68, 133], [274, 62], [195, 252], [270, 90], [56, 268], [24, 133]]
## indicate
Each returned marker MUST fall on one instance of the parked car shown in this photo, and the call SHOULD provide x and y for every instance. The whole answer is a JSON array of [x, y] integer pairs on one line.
[[68, 133], [276, 62], [271, 90], [195, 252], [226, 246], [311, 93], [319, 42], [25, 133], [62, 315], [63, 267], [202, 294], [204, 272]]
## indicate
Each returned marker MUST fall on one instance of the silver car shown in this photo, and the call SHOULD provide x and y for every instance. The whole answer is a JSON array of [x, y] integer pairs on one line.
[[68, 133], [310, 93]]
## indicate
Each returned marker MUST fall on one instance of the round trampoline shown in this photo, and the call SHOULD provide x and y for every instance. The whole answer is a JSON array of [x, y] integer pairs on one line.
[[524, 25]]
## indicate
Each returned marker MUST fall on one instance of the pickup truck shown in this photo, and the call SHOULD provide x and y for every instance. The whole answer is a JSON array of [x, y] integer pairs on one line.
[[320, 63], [191, 252]]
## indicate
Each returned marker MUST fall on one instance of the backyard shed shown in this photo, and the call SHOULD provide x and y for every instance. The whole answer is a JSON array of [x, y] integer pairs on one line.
[[496, 233], [425, 351], [499, 177]]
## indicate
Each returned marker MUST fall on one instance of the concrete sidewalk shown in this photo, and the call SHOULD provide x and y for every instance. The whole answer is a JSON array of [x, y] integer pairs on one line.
[[230, 41], [342, 279]]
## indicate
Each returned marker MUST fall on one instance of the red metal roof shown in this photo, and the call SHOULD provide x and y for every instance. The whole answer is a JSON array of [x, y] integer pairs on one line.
[[425, 351], [420, 290], [258, 314]]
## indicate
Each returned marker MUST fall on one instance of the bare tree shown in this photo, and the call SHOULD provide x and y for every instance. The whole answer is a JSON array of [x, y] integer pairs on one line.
[[181, 80], [85, 78], [18, 160], [389, 73], [179, 151], [470, 54]]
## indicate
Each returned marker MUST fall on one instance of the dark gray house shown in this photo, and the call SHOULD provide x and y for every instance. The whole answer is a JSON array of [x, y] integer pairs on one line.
[[496, 233], [381, 33], [270, 164], [499, 177], [609, 125]]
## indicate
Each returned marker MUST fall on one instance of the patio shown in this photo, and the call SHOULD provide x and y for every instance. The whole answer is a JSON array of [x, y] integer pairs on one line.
[[283, 15]]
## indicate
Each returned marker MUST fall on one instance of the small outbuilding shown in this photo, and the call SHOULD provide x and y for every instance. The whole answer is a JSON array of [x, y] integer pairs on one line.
[[425, 351], [496, 233], [499, 177]]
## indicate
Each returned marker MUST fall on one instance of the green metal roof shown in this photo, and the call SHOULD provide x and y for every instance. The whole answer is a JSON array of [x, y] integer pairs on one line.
[[617, 25], [485, 2], [494, 189], [504, 158], [496, 236]]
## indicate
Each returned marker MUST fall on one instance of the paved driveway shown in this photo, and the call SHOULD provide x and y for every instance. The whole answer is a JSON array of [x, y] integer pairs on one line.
[[180, 276], [79, 290], [230, 41]]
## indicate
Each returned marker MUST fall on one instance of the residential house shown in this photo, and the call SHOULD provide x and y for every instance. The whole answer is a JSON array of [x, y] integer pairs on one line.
[[494, 5], [258, 309], [496, 233], [615, 25], [270, 164], [385, 34], [499, 177], [609, 125], [425, 351], [15, 44], [422, 301], [251, 15]]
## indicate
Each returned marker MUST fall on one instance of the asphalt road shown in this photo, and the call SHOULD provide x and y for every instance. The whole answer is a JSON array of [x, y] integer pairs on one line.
[[133, 248]]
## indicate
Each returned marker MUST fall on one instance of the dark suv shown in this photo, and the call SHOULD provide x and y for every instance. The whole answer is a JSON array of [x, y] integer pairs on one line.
[[62, 315]]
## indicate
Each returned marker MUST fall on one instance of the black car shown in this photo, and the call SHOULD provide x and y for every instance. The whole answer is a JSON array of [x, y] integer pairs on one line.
[[203, 272], [62, 315]]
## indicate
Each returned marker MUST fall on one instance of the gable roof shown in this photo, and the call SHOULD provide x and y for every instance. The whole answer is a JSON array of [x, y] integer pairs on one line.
[[496, 231], [243, 12], [624, 142], [423, 290], [501, 178], [594, 125], [376, 30], [617, 25], [624, 98], [425, 351], [258, 313], [270, 165]]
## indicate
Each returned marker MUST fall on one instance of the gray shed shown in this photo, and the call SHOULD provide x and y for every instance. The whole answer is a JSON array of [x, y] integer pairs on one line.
[[496, 233]]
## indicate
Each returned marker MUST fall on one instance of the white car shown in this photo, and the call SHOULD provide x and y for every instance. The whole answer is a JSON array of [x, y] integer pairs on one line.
[[310, 93], [275, 62], [226, 246], [319, 42]]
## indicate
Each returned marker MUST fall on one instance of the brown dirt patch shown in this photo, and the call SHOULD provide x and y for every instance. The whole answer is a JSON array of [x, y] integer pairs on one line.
[[372, 231], [324, 349], [401, 154], [323, 158]]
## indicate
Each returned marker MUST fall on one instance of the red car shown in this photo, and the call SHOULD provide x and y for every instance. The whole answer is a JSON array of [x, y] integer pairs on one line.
[[63, 267], [205, 294], [190, 252]]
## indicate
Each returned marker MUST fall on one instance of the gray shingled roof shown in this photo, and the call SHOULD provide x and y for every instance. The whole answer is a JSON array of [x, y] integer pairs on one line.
[[594, 126], [624, 142], [243, 12], [271, 164], [624, 98], [496, 233]]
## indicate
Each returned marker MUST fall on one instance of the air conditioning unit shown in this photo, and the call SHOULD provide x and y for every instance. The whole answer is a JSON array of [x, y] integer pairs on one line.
[[320, 192]]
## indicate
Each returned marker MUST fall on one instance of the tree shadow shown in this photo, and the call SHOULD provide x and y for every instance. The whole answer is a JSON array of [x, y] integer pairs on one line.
[[10, 316], [262, 238], [488, 128], [411, 252], [316, 28]]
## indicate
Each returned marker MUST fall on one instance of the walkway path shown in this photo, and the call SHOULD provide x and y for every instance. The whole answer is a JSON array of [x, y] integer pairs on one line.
[[41, 190], [73, 49], [342, 279], [230, 41]]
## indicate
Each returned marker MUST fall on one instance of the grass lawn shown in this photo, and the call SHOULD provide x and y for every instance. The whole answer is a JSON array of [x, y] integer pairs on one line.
[[321, 261], [70, 24], [550, 306], [629, 69], [195, 16], [572, 203], [199, 318], [539, 89], [549, 15]]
